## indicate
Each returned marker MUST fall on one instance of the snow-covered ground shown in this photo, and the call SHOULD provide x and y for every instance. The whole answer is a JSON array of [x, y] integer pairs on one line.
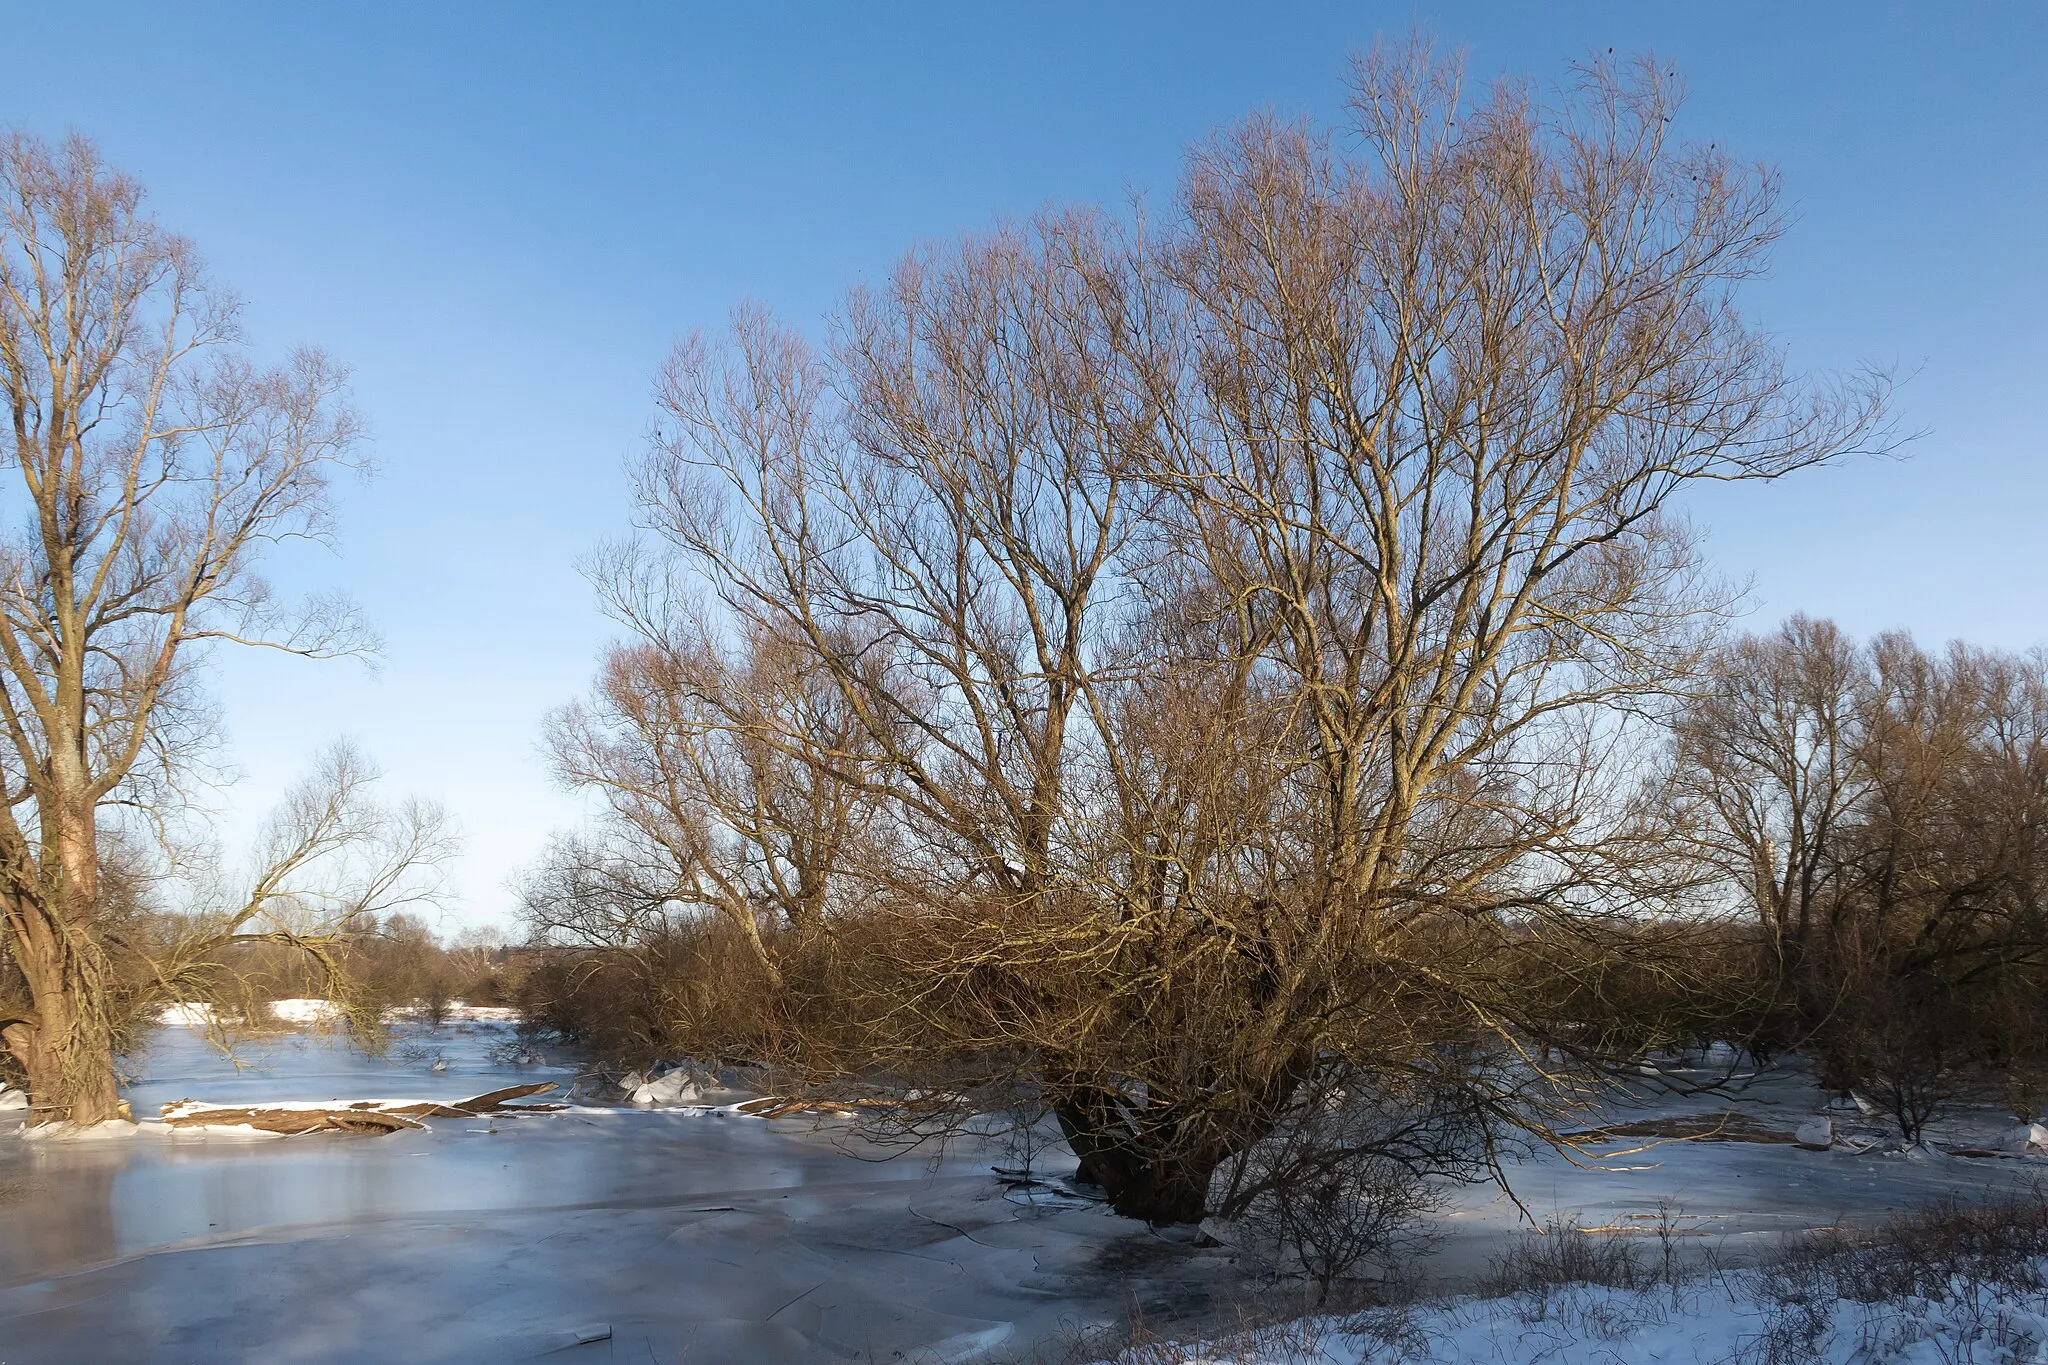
[[1715, 1320], [701, 1234], [1721, 1211]]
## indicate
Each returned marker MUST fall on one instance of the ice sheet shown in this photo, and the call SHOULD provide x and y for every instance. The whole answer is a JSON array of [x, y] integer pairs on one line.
[[693, 1236]]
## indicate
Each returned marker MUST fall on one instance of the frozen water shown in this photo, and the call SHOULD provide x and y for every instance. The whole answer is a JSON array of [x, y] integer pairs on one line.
[[690, 1235], [695, 1234]]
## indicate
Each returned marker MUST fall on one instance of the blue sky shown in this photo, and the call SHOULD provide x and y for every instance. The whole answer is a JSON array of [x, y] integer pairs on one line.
[[503, 214]]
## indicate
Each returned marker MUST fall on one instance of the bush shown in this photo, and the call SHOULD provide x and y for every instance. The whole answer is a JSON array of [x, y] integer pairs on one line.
[[685, 990], [1562, 1255]]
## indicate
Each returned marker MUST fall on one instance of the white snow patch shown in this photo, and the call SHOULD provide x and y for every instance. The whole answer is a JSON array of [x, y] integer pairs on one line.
[[183, 1108], [186, 1132], [12, 1099], [458, 1011], [1818, 1132], [1711, 1321], [674, 1088], [484, 1014], [71, 1132], [2023, 1138], [305, 1011], [193, 1014]]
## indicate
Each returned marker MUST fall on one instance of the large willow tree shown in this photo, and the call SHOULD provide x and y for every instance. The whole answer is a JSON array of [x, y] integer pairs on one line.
[[1232, 621]]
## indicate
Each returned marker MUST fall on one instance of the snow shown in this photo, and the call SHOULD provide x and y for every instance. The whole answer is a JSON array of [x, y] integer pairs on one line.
[[12, 1099], [457, 1011], [488, 1014], [680, 1085], [305, 1011], [181, 1108], [1730, 1205], [110, 1130], [201, 1132], [1711, 1321], [200, 1015], [2025, 1138], [674, 1088], [188, 1013]]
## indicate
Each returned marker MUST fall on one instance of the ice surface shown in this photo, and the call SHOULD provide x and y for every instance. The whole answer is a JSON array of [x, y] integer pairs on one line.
[[691, 1236], [697, 1236]]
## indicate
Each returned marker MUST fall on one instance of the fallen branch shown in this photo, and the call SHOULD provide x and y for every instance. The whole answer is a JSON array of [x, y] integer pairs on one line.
[[363, 1116], [293, 1122], [1729, 1127], [776, 1107]]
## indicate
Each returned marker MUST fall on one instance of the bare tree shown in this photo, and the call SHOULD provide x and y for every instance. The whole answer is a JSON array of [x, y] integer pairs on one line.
[[331, 864], [1242, 617], [155, 465], [718, 772], [1876, 813], [1770, 775]]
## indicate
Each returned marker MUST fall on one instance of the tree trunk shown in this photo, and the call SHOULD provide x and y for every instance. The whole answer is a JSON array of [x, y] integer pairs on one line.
[[68, 1048], [69, 1076], [1144, 1177]]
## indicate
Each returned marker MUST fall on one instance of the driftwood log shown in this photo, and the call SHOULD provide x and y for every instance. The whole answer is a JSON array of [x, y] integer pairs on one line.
[[1728, 1127], [776, 1107], [364, 1116]]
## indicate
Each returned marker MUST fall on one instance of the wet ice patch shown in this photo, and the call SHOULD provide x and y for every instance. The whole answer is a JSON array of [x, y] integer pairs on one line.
[[1031, 1190]]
